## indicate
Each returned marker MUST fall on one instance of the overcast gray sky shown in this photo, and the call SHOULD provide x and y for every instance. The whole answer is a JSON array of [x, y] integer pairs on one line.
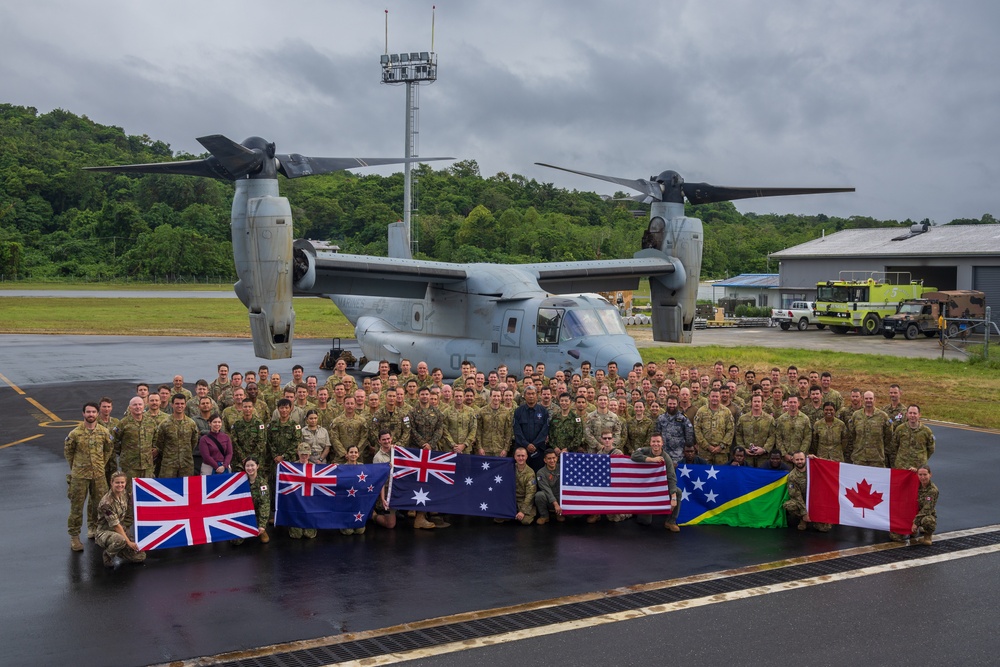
[[898, 98]]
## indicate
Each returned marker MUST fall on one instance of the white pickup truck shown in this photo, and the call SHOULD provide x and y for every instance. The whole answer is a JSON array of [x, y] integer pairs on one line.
[[800, 314]]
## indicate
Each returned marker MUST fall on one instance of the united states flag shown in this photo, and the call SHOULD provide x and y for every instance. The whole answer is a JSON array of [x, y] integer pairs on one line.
[[184, 511], [600, 484]]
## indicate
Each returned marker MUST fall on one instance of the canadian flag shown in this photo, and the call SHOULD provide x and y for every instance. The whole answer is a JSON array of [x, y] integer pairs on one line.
[[879, 498]]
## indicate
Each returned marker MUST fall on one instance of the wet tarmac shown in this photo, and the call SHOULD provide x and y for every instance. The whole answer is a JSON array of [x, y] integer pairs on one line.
[[66, 608]]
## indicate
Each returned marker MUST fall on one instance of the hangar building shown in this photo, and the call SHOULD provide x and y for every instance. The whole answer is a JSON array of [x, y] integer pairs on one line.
[[947, 257]]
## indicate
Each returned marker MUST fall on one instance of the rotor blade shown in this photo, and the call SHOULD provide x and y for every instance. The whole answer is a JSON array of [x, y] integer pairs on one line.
[[234, 158], [182, 167], [705, 193], [642, 185], [294, 165]]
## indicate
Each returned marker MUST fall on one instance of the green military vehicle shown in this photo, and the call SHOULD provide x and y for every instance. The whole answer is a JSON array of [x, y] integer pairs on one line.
[[921, 316]]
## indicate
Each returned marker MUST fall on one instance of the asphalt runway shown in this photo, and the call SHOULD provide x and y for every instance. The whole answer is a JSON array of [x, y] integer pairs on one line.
[[66, 608]]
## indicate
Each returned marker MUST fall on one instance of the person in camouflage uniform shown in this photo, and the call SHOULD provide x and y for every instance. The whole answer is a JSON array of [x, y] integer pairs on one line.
[[426, 423], [896, 409], [640, 428], [87, 450], [283, 437], [133, 444], [926, 519], [870, 431], [597, 422], [795, 506], [714, 429], [460, 424], [547, 485], [104, 418], [494, 428], [233, 412], [792, 431], [655, 453], [260, 493], [111, 514], [326, 410], [176, 439], [565, 427], [913, 442], [393, 418], [525, 487], [675, 430], [349, 429], [830, 394], [830, 436], [220, 384], [814, 408], [755, 432], [249, 436]]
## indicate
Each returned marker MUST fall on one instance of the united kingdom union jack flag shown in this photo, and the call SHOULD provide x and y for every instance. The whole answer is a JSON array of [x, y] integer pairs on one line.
[[184, 511], [307, 479], [425, 464]]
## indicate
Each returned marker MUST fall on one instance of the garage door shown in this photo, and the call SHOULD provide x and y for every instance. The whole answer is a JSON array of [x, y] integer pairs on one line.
[[987, 279]]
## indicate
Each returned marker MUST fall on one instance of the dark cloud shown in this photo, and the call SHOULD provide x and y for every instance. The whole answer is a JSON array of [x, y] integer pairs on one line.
[[898, 98]]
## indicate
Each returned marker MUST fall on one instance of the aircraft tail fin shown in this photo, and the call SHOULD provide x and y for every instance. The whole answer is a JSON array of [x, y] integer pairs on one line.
[[399, 241]]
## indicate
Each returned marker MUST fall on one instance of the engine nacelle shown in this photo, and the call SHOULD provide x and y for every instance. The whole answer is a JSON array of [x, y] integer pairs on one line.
[[673, 297], [262, 247]]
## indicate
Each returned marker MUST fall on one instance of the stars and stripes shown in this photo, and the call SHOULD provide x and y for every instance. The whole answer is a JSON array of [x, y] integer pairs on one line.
[[185, 511], [599, 484]]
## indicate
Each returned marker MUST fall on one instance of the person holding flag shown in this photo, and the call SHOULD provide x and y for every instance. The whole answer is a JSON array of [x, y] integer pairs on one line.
[[111, 536], [261, 498], [926, 519], [797, 493], [654, 454], [352, 456], [385, 516]]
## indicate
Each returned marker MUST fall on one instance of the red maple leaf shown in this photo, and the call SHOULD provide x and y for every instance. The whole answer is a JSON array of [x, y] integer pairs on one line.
[[863, 496]]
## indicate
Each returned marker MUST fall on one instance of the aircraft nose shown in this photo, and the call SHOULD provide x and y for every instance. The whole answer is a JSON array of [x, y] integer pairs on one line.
[[624, 355]]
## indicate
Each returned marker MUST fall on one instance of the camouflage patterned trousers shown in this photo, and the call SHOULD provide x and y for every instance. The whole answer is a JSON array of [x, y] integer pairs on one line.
[[77, 493]]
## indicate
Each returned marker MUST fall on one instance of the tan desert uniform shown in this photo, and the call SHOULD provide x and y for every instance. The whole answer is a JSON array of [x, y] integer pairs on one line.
[[714, 428]]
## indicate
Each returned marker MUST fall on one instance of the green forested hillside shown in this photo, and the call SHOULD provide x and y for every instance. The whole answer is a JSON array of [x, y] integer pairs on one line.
[[57, 221]]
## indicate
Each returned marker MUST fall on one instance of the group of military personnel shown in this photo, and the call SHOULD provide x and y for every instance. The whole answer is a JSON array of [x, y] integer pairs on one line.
[[721, 417]]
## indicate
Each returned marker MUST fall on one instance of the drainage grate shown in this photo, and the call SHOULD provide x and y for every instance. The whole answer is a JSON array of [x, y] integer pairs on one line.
[[475, 629]]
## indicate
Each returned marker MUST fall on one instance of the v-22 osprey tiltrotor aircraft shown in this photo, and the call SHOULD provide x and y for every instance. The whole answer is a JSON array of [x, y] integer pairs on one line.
[[444, 313]]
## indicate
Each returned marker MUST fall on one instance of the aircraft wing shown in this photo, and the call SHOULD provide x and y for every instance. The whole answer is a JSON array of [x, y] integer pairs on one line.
[[599, 275], [364, 275]]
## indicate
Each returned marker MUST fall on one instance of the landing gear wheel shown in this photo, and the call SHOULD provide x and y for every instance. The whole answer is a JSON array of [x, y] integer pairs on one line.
[[803, 324], [871, 324]]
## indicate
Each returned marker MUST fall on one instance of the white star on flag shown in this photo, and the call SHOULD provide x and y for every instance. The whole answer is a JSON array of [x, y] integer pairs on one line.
[[359, 516], [362, 477], [685, 471], [498, 479], [351, 492], [698, 484], [483, 506], [685, 494], [711, 496], [486, 465], [712, 473], [468, 481], [420, 497]]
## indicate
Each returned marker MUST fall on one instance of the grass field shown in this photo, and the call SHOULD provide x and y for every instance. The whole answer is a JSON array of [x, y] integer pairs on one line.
[[314, 317], [952, 391]]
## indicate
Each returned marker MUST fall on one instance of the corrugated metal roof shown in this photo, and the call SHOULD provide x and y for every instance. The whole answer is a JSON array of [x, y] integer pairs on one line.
[[763, 280], [944, 240]]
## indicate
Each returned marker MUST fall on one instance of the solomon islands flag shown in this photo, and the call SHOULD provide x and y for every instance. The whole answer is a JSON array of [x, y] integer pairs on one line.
[[429, 481], [731, 495], [319, 495]]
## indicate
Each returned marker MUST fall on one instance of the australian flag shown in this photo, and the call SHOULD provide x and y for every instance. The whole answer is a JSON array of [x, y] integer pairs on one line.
[[183, 511], [450, 483], [315, 495]]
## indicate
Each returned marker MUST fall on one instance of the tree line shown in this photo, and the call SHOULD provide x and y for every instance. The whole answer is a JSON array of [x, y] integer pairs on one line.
[[57, 221]]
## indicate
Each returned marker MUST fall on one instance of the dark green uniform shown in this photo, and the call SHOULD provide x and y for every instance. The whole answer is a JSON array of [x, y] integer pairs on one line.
[[250, 439], [566, 433], [396, 422]]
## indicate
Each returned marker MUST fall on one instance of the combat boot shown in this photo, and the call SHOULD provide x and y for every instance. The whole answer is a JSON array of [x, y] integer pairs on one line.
[[926, 539], [542, 520], [421, 522], [264, 537], [91, 533], [74, 543]]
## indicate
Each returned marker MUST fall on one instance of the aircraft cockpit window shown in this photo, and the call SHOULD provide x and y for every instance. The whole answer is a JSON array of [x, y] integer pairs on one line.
[[612, 321], [579, 323], [547, 331]]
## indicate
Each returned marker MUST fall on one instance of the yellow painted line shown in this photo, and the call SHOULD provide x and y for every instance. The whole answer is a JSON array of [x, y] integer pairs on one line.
[[11, 384], [51, 415], [454, 647], [18, 442]]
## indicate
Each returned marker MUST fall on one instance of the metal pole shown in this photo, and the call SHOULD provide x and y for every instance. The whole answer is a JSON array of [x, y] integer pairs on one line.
[[407, 184], [986, 337]]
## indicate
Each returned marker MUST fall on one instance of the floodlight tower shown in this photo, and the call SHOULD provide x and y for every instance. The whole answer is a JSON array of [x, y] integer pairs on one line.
[[413, 69]]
